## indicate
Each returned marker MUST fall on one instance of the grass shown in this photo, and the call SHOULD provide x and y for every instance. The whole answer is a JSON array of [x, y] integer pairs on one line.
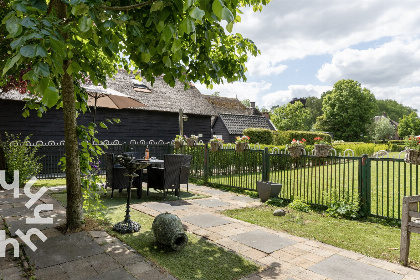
[[200, 259], [369, 237], [390, 181]]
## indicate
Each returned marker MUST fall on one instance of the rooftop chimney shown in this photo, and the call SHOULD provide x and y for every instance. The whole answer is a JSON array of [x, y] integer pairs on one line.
[[252, 104]]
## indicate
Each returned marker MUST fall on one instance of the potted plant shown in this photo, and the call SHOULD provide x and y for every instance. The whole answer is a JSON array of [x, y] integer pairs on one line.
[[267, 189], [322, 148], [215, 144], [412, 150], [192, 140], [296, 148], [179, 141], [241, 143]]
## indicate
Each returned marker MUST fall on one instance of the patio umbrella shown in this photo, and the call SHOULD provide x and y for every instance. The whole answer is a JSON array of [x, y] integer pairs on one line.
[[109, 98]]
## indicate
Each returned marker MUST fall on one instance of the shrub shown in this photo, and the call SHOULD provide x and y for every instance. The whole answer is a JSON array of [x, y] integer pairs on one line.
[[285, 137], [276, 202], [347, 206], [359, 148], [300, 205], [20, 156], [259, 135]]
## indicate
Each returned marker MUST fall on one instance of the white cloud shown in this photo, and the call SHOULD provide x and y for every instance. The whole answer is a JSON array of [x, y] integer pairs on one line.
[[241, 90], [287, 30], [396, 63], [294, 91]]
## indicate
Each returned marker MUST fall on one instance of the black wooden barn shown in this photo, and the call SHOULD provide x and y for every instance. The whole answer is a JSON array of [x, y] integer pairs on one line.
[[159, 120]]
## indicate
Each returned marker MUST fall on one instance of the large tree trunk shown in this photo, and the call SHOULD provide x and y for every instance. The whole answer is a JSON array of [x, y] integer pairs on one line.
[[74, 191], [74, 212]]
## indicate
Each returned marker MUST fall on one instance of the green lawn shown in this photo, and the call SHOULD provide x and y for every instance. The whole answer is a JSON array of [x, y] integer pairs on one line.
[[390, 181], [367, 237], [200, 259]]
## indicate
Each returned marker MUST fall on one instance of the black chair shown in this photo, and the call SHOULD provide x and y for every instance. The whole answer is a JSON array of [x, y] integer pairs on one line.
[[115, 176], [175, 172]]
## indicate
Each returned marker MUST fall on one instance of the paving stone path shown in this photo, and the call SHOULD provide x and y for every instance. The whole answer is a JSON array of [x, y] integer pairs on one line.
[[97, 255]]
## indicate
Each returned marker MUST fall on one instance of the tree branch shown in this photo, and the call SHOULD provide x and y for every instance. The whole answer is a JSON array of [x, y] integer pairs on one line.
[[131, 7]]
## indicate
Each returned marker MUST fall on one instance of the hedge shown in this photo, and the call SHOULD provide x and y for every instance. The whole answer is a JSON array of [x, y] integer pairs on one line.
[[259, 135], [285, 137]]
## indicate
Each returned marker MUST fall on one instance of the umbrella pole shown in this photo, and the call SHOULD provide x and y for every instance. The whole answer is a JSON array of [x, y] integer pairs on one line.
[[94, 108]]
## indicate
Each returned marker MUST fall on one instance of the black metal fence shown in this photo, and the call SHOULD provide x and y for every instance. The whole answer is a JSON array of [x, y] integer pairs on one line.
[[379, 183]]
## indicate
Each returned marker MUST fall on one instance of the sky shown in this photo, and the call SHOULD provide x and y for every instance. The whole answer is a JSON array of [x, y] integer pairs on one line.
[[308, 45]]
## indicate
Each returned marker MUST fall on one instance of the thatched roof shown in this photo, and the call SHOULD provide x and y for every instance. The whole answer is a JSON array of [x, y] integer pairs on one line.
[[235, 124], [161, 96], [14, 95], [226, 105]]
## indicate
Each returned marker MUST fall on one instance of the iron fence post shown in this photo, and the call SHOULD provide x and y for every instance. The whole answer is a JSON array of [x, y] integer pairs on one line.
[[206, 163], [364, 185], [265, 165]]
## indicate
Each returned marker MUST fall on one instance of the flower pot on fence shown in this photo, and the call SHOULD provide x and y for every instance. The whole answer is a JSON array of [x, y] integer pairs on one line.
[[191, 142], [412, 156], [267, 189], [178, 144], [215, 146], [240, 147], [322, 150], [296, 151]]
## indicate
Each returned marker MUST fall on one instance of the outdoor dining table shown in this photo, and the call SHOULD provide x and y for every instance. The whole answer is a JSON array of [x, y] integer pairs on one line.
[[121, 181]]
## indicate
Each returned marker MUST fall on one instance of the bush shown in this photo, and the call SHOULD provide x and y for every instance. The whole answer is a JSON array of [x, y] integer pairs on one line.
[[359, 148], [20, 156], [285, 137], [300, 205], [345, 207], [259, 135]]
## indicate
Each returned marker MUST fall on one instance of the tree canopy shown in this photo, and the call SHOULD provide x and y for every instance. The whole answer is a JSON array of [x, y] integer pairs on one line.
[[394, 110], [290, 116], [382, 129], [63, 43], [347, 111], [409, 125]]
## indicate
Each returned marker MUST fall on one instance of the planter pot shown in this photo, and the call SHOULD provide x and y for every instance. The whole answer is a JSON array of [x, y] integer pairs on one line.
[[167, 229], [191, 142], [322, 150], [412, 156], [240, 147], [215, 146], [178, 144], [267, 189], [296, 151]]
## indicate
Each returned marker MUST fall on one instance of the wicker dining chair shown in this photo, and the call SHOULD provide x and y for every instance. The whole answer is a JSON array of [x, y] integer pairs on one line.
[[116, 179], [174, 172]]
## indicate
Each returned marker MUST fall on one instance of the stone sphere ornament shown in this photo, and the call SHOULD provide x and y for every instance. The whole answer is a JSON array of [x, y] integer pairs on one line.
[[168, 230]]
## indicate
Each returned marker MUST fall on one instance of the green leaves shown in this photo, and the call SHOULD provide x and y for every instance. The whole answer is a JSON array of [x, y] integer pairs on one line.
[[42, 69], [156, 6], [33, 51], [50, 96], [10, 63], [197, 14], [13, 27], [85, 24]]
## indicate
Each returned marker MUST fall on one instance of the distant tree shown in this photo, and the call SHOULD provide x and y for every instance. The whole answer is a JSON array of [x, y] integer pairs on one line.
[[409, 125], [216, 93], [290, 117], [394, 110], [314, 106], [382, 129], [246, 102], [348, 111]]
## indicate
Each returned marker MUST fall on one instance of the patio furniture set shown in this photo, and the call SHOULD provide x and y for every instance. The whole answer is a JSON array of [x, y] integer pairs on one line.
[[167, 174]]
